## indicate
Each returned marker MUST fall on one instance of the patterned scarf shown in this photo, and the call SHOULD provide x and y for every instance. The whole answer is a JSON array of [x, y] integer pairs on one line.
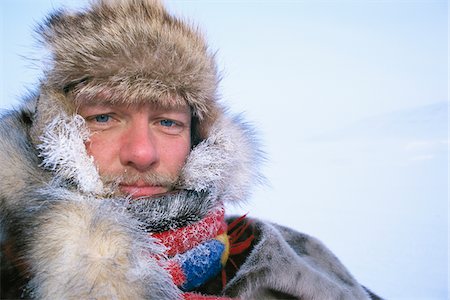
[[199, 251]]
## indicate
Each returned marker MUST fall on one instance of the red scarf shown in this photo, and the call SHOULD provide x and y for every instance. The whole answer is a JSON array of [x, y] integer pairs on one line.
[[199, 251]]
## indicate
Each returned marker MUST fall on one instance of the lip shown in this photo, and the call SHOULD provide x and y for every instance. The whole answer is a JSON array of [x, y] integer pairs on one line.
[[138, 190]]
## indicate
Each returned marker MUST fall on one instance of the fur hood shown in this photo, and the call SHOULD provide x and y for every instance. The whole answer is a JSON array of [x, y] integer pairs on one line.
[[52, 200]]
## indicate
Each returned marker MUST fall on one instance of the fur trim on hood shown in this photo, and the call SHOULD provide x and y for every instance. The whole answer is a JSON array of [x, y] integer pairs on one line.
[[54, 203], [225, 164]]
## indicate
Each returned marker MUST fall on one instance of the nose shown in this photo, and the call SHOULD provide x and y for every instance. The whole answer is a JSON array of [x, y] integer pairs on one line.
[[139, 149]]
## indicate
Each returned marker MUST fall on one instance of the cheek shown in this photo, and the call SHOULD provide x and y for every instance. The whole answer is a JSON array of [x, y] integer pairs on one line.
[[88, 146], [175, 153], [102, 152]]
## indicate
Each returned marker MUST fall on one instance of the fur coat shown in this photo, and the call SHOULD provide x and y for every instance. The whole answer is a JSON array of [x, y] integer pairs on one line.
[[65, 235]]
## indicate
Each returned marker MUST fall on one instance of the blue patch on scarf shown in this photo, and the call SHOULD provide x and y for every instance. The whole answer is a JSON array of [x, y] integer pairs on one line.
[[201, 263]]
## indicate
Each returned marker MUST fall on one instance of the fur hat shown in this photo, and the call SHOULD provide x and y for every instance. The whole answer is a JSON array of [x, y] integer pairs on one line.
[[125, 51]]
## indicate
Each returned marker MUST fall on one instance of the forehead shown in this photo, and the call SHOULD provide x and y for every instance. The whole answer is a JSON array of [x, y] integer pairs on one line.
[[164, 103], [107, 107]]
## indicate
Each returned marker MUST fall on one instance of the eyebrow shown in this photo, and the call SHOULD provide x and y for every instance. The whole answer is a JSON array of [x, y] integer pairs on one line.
[[115, 105]]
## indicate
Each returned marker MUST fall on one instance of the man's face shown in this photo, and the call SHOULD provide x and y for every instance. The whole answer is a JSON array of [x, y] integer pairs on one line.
[[142, 148]]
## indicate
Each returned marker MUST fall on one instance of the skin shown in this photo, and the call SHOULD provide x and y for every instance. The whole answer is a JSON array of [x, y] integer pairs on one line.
[[142, 148]]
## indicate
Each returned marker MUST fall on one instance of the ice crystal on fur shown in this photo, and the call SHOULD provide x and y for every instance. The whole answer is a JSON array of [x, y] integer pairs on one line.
[[91, 237], [227, 163], [173, 210], [63, 152]]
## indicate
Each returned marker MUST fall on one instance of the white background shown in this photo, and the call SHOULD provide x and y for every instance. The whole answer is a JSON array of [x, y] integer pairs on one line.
[[350, 101]]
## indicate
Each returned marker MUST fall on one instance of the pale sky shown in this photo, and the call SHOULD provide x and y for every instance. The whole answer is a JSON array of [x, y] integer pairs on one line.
[[350, 100]]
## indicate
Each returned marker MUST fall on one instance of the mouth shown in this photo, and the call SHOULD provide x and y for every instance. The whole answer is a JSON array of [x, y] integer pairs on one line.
[[141, 189]]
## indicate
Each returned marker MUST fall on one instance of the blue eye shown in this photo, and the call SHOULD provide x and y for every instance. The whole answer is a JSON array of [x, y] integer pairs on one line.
[[167, 123], [102, 118]]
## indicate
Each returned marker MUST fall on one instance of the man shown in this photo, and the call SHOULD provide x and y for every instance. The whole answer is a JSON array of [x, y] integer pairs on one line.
[[114, 175]]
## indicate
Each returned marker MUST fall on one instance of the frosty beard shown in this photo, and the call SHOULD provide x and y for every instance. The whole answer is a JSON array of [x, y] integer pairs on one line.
[[112, 182]]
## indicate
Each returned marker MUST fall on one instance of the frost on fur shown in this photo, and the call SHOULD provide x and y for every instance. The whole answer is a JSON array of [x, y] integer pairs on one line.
[[226, 163], [91, 248], [63, 152]]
